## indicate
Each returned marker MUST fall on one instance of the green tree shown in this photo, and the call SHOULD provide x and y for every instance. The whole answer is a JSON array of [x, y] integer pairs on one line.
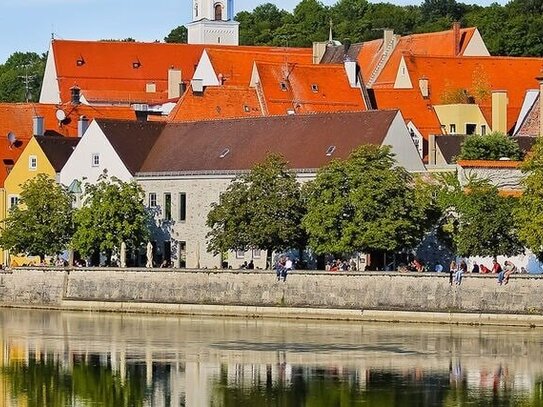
[[260, 210], [177, 35], [21, 77], [41, 224], [529, 212], [259, 26], [493, 146], [365, 203], [113, 212], [308, 23]]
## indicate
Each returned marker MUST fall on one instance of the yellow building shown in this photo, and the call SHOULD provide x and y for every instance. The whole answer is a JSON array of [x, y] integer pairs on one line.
[[462, 119], [42, 155]]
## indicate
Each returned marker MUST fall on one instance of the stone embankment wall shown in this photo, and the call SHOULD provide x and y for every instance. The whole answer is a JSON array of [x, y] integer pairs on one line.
[[349, 294]]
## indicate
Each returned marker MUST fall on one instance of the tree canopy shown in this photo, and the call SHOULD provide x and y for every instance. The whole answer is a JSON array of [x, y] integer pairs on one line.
[[493, 146], [41, 224], [365, 203], [261, 209], [113, 212], [177, 35], [529, 213], [21, 77]]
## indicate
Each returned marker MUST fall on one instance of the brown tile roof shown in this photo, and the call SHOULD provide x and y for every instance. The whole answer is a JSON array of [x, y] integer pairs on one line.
[[531, 124], [450, 146], [307, 88], [302, 139], [57, 149], [132, 140], [216, 102]]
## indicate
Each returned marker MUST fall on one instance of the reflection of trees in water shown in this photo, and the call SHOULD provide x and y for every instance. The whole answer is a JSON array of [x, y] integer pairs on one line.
[[47, 383], [319, 387]]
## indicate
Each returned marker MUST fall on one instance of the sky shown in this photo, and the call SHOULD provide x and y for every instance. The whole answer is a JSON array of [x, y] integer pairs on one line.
[[28, 25]]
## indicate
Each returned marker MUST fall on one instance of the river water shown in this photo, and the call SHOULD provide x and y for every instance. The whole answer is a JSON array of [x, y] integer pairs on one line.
[[54, 359]]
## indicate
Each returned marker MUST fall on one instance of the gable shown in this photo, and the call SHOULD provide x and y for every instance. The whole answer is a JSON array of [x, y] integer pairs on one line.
[[405, 151], [403, 81], [476, 46], [205, 71], [50, 92]]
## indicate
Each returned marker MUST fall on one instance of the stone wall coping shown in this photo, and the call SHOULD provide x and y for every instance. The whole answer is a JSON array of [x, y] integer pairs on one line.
[[259, 272]]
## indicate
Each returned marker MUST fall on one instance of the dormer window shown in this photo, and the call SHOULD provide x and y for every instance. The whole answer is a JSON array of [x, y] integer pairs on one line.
[[284, 86], [314, 88], [224, 153], [330, 151]]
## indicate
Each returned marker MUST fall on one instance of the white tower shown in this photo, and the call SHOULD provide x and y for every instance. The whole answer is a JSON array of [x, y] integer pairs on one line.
[[213, 23]]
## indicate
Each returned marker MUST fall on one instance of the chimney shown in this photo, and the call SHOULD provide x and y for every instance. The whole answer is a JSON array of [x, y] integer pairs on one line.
[[539, 78], [499, 111], [423, 86], [431, 149], [319, 48], [350, 69], [37, 126], [75, 94], [388, 37], [174, 83], [456, 38], [82, 125]]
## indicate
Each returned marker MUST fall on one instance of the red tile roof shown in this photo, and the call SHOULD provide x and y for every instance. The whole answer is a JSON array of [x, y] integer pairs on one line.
[[436, 43], [216, 102], [489, 163], [307, 88], [513, 74], [108, 65], [413, 106], [17, 118], [235, 64]]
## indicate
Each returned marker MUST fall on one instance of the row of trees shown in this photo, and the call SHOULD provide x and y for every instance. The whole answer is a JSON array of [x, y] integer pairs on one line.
[[46, 223], [367, 203]]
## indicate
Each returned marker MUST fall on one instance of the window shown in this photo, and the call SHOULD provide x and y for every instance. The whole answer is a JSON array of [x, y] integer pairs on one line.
[[246, 108], [168, 206], [13, 201], [483, 130], [470, 128], [284, 86], [152, 200], [452, 128], [182, 206], [257, 253], [240, 254], [95, 159], [314, 88], [218, 12], [32, 162], [443, 129]]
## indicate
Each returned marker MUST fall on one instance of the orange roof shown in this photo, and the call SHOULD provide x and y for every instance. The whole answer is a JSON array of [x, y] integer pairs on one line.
[[109, 65], [413, 106], [440, 43], [235, 64], [307, 88], [513, 74], [489, 163], [216, 102], [17, 119]]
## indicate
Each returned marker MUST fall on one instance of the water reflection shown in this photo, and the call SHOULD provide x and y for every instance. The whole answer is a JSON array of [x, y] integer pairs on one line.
[[75, 359]]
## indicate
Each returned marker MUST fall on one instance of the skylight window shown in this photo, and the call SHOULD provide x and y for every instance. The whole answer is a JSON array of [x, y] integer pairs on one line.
[[284, 86], [330, 151], [314, 88], [224, 153]]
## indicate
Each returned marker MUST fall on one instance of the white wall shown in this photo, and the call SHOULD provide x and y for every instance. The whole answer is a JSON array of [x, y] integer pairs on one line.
[[50, 91], [79, 165], [399, 139]]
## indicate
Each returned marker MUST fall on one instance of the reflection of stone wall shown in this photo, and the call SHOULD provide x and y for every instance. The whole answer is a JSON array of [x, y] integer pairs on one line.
[[356, 291]]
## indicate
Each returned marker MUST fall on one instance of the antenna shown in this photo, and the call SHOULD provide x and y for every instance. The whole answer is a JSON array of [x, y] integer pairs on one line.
[[12, 139], [27, 79]]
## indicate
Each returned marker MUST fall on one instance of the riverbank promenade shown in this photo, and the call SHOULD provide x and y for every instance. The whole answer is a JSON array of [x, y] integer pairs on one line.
[[361, 296]]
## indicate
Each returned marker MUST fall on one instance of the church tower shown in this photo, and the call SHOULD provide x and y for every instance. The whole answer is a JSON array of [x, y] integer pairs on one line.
[[213, 23]]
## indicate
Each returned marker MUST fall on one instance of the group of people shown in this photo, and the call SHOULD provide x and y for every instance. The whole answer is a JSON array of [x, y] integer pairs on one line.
[[457, 271], [341, 265], [282, 267]]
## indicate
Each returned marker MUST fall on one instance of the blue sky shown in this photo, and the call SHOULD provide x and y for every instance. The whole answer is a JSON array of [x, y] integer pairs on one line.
[[27, 25]]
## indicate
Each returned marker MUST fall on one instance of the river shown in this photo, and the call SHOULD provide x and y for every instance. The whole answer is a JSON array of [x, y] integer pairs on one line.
[[52, 358]]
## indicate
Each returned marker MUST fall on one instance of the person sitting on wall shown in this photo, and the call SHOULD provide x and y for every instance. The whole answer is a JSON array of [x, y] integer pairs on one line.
[[251, 265], [484, 269]]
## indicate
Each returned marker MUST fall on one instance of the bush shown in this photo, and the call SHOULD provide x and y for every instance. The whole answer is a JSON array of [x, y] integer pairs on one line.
[[491, 147]]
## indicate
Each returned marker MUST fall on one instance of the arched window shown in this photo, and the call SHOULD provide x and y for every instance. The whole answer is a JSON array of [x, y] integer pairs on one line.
[[196, 10], [218, 12]]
